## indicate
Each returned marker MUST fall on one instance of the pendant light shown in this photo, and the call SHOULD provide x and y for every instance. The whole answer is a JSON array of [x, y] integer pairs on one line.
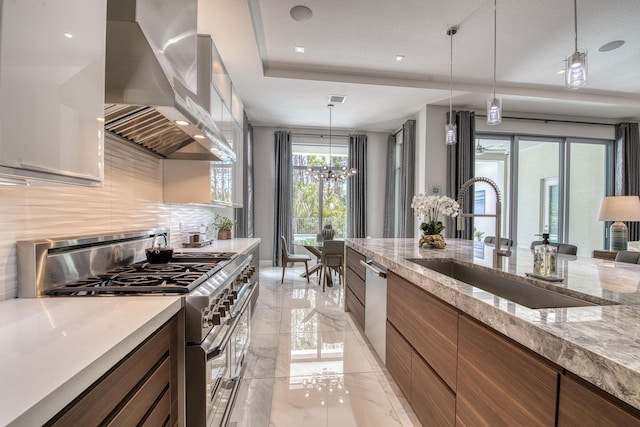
[[575, 71], [450, 128], [494, 105], [326, 172]]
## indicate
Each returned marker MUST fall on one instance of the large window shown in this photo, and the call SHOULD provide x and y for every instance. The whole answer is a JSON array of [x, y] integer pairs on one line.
[[558, 186], [317, 203]]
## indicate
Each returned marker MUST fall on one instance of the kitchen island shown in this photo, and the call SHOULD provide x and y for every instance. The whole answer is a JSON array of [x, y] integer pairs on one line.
[[598, 343]]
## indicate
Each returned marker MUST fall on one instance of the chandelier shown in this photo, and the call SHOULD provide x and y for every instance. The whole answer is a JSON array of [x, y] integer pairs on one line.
[[327, 172]]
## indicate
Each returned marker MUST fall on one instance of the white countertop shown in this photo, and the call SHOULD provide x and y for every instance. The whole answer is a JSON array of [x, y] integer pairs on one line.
[[52, 349], [599, 343], [231, 245]]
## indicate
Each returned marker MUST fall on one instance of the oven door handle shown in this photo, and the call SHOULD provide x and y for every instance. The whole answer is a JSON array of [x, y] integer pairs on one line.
[[234, 393], [215, 351]]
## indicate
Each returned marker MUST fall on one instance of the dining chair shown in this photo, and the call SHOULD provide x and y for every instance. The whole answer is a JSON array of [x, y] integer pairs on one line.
[[332, 259], [628, 256], [491, 240], [287, 258]]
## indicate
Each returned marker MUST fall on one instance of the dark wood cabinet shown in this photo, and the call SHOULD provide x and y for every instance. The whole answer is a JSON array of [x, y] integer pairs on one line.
[[398, 360], [353, 262], [353, 305], [582, 404], [454, 370], [432, 401], [142, 389], [428, 324], [355, 291], [501, 383]]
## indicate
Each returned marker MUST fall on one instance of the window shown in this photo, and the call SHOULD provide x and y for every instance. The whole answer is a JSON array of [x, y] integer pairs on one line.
[[316, 203], [558, 185]]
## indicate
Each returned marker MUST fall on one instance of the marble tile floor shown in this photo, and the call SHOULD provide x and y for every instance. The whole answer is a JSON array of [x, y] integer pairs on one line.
[[309, 365]]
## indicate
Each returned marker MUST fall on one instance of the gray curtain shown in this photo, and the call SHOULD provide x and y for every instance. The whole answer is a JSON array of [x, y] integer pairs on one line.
[[627, 167], [407, 180], [460, 168], [244, 215], [357, 187], [390, 190], [283, 195]]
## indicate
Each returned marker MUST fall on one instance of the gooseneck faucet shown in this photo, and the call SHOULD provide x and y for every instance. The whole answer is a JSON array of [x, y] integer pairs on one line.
[[498, 253]]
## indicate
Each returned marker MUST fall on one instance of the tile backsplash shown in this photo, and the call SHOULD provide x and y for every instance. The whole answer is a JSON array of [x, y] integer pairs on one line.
[[130, 199]]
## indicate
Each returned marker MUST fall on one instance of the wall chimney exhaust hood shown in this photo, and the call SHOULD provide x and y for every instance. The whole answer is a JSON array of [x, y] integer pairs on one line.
[[151, 81]]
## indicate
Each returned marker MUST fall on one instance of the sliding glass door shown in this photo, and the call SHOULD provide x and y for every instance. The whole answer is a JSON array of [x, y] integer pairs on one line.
[[492, 160], [587, 183], [558, 184], [538, 190]]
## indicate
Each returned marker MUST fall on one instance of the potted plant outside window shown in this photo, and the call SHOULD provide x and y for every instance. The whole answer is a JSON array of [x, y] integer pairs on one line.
[[224, 226]]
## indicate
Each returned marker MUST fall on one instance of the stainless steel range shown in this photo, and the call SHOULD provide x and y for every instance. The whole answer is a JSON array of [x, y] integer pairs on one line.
[[217, 289]]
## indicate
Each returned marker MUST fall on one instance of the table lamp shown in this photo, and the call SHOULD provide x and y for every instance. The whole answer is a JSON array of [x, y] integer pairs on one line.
[[618, 209]]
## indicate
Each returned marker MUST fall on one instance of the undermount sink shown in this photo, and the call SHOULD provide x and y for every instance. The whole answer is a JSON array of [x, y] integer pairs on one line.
[[519, 292]]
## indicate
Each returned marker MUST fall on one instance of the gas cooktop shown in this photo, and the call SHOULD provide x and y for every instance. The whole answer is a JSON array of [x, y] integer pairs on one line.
[[180, 276]]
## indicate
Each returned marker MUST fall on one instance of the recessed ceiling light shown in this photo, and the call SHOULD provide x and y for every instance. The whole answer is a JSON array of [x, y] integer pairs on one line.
[[299, 49], [198, 136], [68, 35], [399, 57], [607, 47], [561, 71], [181, 122], [300, 13]]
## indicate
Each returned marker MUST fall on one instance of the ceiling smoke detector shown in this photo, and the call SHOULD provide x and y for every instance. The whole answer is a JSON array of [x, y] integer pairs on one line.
[[337, 99], [301, 13]]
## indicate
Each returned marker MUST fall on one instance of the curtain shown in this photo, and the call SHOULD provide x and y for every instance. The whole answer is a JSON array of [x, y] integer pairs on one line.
[[244, 215], [390, 190], [460, 168], [283, 195], [627, 167], [357, 187], [407, 180]]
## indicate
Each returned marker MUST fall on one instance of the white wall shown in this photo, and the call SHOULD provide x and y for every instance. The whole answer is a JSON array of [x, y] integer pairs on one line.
[[264, 170], [431, 158], [130, 199]]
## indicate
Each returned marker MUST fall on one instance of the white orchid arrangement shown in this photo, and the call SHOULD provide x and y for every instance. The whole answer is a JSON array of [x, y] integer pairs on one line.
[[430, 208]]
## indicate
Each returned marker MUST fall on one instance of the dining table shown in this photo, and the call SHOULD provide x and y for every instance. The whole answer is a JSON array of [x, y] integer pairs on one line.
[[316, 250]]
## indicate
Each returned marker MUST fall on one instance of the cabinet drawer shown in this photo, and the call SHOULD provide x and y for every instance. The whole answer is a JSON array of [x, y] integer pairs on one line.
[[356, 285], [144, 401], [430, 325], [150, 368], [501, 383], [432, 401], [353, 305], [398, 360], [353, 262], [582, 404]]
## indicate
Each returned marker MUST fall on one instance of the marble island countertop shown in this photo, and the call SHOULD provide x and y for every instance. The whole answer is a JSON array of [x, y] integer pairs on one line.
[[600, 343]]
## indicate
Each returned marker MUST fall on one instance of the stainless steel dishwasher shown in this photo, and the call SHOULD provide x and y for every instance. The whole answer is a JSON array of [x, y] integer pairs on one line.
[[375, 306]]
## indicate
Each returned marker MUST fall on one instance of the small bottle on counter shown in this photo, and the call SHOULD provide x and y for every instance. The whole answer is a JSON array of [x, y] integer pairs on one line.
[[545, 258]]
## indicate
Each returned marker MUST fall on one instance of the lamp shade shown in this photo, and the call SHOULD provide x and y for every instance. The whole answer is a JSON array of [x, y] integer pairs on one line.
[[620, 208]]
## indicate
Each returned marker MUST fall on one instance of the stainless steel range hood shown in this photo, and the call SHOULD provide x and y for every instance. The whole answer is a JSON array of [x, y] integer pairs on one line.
[[151, 81]]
